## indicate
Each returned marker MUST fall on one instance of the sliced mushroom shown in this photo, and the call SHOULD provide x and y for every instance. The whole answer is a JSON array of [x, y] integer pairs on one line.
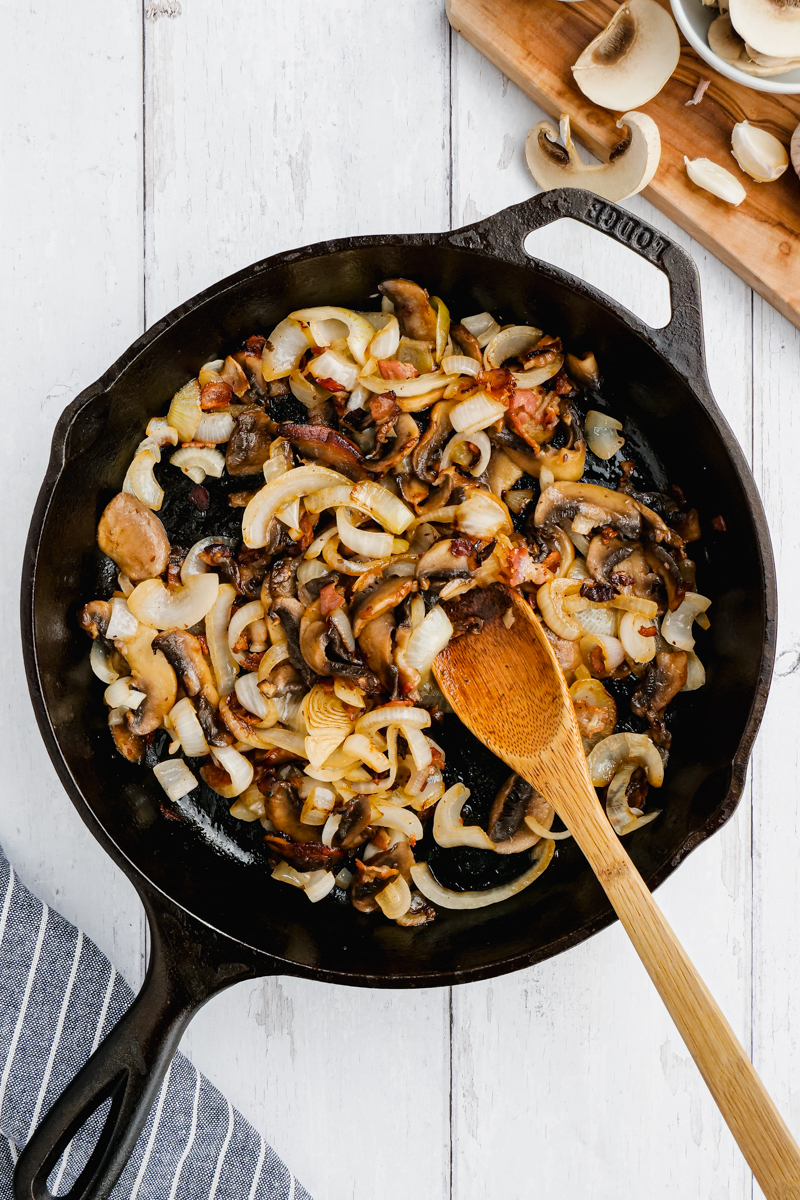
[[314, 640], [248, 447], [427, 456], [606, 554], [152, 675], [630, 60], [370, 879], [513, 803], [283, 808], [592, 504], [385, 596], [417, 318], [305, 856], [133, 537], [184, 654], [132, 746], [375, 643], [662, 681], [281, 581], [351, 831], [630, 167], [421, 912], [94, 617], [406, 437], [289, 612], [663, 564], [771, 26], [324, 444], [447, 559], [466, 342]]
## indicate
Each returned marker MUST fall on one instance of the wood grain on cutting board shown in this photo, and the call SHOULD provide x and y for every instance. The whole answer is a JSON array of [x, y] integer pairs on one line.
[[535, 43]]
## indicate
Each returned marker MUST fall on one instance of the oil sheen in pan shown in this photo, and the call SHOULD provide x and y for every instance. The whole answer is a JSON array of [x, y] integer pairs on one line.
[[467, 760]]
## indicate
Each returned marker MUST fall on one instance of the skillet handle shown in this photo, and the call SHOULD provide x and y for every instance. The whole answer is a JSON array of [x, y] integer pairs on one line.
[[188, 964], [681, 340]]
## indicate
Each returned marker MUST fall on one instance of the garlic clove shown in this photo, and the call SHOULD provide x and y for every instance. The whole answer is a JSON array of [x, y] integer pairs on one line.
[[715, 179], [758, 152]]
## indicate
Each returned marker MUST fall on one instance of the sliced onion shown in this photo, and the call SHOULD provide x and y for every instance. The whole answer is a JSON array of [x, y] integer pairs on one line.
[[188, 729], [244, 616], [394, 900], [360, 330], [238, 767], [215, 427], [426, 641], [448, 826], [290, 514], [225, 666], [331, 825], [676, 628], [408, 389], [363, 541], [325, 332], [319, 885], [304, 390], [100, 662], [318, 806], [482, 326], [329, 497], [695, 673], [542, 854], [280, 461], [382, 505], [483, 515], [122, 694], [394, 817], [386, 340], [531, 379], [122, 623], [541, 832], [156, 605], [611, 647], [276, 654], [175, 778], [199, 461], [602, 434], [124, 583], [309, 569], [193, 563], [337, 367], [298, 482], [364, 750], [141, 482], [598, 620], [283, 350], [185, 411], [478, 439], [418, 745], [392, 714], [623, 818], [249, 696], [475, 413], [460, 364], [641, 649], [636, 604], [609, 755], [286, 874], [161, 432], [340, 619], [512, 342]]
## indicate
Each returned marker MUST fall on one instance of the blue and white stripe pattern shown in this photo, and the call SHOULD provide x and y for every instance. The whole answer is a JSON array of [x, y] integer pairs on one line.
[[58, 997]]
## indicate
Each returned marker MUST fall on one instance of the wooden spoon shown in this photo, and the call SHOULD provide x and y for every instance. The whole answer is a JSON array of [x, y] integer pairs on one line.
[[506, 686]]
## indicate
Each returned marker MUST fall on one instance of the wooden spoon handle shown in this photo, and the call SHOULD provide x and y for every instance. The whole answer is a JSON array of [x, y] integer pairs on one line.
[[751, 1115]]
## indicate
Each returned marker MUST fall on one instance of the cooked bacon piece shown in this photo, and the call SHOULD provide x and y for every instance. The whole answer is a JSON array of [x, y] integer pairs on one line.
[[330, 599], [216, 394], [369, 880], [533, 414], [390, 368], [499, 383], [330, 385], [383, 408]]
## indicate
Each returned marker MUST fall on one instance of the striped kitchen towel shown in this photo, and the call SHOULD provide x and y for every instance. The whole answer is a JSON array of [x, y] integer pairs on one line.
[[58, 997]]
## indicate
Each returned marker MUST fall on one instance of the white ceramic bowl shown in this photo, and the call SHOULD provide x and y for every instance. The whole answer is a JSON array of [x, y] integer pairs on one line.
[[694, 18]]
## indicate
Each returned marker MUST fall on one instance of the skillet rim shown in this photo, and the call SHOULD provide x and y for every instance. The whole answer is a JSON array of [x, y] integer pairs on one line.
[[679, 345]]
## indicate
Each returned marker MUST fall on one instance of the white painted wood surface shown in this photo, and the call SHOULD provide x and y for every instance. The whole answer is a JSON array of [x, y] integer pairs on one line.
[[150, 147]]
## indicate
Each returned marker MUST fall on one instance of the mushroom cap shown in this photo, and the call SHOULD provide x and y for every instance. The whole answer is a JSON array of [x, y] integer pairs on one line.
[[629, 62], [631, 165], [771, 26]]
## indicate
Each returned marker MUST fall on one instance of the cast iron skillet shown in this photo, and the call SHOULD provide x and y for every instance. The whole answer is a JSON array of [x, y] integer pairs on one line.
[[215, 917]]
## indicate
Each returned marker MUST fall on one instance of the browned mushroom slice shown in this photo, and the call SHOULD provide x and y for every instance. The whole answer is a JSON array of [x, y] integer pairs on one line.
[[184, 654], [663, 679], [352, 831], [386, 595], [447, 559], [134, 538], [406, 436], [305, 856], [216, 733], [94, 617], [324, 444], [415, 315], [152, 675], [368, 881], [466, 342], [470, 612], [375, 643], [130, 745], [567, 653], [289, 612], [594, 505], [513, 803], [314, 640], [420, 912], [283, 808], [281, 581], [248, 448], [664, 565], [428, 454], [607, 555]]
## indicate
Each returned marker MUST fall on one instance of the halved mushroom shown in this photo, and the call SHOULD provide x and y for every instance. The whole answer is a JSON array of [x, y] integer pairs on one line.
[[314, 641], [375, 643], [427, 455], [184, 654], [283, 808], [133, 537], [417, 318], [630, 167], [771, 26], [606, 554], [249, 444], [630, 60], [289, 612], [663, 564], [513, 803], [152, 675], [326, 445], [352, 829]]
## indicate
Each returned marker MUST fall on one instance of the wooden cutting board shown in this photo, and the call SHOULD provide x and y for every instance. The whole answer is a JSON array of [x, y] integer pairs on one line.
[[535, 42]]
